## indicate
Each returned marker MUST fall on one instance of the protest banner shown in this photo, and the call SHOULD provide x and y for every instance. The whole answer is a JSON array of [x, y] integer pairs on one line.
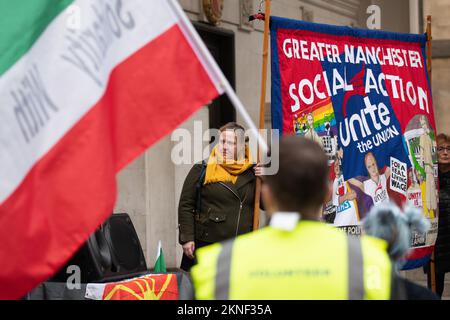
[[365, 97]]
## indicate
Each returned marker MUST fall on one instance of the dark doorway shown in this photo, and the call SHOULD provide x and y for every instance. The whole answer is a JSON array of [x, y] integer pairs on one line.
[[220, 43]]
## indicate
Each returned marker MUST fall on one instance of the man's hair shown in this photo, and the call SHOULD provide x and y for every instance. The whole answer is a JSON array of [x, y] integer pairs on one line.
[[442, 137], [301, 183]]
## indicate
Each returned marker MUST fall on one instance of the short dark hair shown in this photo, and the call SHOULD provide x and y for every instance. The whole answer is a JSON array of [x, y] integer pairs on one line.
[[301, 183]]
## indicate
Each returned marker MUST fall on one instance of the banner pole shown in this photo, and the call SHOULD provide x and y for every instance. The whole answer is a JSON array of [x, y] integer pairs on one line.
[[432, 263], [262, 103]]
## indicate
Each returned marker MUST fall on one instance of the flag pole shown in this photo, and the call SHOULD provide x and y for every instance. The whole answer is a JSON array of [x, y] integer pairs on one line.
[[213, 69], [262, 103], [432, 270]]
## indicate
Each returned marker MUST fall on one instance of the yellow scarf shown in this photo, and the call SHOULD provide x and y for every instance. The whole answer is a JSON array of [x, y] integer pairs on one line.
[[225, 171]]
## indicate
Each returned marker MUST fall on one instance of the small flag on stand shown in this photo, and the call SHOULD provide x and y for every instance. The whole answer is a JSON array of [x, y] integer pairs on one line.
[[160, 264]]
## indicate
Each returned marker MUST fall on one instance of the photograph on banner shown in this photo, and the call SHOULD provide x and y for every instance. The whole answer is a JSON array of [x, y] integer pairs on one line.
[[365, 97]]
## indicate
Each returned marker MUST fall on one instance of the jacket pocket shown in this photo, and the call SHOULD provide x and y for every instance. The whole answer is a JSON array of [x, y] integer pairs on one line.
[[202, 218], [200, 232], [217, 217]]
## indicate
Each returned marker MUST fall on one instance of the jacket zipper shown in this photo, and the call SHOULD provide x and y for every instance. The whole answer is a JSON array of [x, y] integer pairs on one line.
[[240, 206]]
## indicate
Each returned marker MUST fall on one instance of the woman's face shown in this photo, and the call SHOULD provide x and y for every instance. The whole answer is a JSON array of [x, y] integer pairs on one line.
[[443, 152], [229, 147]]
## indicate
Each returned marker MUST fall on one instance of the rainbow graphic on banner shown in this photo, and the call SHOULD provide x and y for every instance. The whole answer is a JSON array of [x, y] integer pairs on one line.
[[323, 115]]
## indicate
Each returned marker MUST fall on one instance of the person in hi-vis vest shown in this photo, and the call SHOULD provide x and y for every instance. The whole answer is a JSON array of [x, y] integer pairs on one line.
[[296, 256]]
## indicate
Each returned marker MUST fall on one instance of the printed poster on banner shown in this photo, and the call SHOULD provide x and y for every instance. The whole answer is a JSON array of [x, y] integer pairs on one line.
[[365, 97]]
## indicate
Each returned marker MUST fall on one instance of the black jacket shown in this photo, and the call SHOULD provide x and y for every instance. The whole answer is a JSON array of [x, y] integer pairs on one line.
[[226, 208], [442, 248]]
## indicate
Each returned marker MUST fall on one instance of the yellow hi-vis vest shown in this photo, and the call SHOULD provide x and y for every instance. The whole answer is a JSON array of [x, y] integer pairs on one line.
[[314, 261]]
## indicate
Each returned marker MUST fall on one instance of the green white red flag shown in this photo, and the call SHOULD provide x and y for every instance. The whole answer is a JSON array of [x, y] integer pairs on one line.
[[85, 87]]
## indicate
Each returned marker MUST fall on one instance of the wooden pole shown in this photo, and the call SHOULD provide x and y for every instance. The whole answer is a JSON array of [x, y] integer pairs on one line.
[[432, 270], [262, 103]]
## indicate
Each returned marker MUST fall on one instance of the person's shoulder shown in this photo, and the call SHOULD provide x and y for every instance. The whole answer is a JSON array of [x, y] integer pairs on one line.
[[207, 252], [319, 224], [252, 239], [375, 250], [256, 235], [207, 256], [199, 164], [204, 271], [197, 167], [213, 250]]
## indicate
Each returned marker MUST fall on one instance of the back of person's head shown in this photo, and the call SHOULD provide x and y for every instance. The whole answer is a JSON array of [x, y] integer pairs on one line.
[[390, 223], [301, 183]]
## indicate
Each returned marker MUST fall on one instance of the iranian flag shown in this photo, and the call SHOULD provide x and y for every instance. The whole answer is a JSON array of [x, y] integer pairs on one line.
[[85, 87]]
